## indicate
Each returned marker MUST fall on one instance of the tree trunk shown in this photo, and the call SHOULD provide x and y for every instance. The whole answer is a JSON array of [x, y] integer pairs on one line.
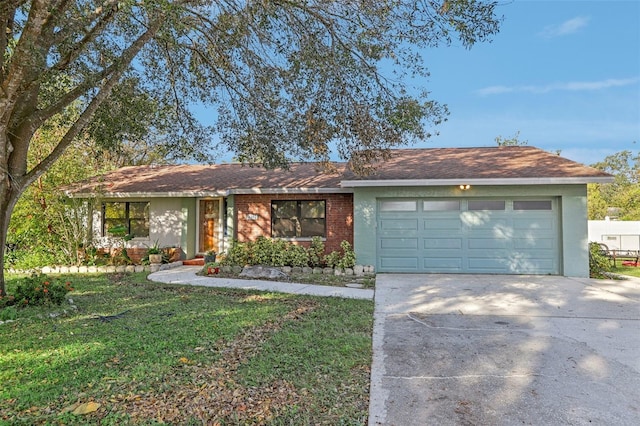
[[8, 197]]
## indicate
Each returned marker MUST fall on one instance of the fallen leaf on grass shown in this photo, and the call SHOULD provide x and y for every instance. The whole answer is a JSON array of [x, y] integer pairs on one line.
[[86, 408]]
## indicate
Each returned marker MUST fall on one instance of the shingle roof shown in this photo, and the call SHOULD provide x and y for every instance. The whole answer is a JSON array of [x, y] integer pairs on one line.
[[508, 162], [420, 166], [208, 179]]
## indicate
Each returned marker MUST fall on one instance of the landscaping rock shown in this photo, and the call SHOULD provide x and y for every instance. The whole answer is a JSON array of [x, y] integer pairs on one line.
[[226, 269], [154, 268], [296, 270], [92, 269], [262, 272], [286, 269], [358, 270], [348, 271], [327, 271], [121, 269], [317, 270], [64, 269], [46, 270], [111, 269], [130, 268], [236, 269], [82, 269], [73, 269], [139, 268], [338, 272], [307, 270]]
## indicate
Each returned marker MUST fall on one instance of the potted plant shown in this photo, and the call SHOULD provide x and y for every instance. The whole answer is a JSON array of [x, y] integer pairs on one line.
[[155, 254], [210, 256], [213, 268]]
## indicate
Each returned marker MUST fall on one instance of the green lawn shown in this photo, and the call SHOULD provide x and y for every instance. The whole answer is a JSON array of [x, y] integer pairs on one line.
[[633, 271], [149, 353]]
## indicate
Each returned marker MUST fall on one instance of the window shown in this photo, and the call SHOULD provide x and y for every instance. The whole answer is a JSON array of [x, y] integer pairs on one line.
[[398, 206], [486, 205], [532, 205], [440, 206], [134, 217], [298, 219]]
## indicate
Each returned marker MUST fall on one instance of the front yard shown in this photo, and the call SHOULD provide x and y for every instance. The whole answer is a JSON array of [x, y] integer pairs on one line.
[[136, 352]]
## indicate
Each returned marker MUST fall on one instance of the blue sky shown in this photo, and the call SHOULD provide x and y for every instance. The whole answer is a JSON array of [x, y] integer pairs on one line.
[[565, 74]]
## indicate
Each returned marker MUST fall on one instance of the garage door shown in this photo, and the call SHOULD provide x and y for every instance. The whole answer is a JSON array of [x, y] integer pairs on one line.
[[501, 236]]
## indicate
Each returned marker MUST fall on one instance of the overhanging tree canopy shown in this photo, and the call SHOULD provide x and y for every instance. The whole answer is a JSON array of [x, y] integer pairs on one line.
[[290, 78]]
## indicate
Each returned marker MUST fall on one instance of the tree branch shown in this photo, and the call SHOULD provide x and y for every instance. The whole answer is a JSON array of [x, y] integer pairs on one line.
[[80, 124], [26, 60]]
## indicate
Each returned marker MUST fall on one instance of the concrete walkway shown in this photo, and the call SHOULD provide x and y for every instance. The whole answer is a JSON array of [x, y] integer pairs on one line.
[[187, 275]]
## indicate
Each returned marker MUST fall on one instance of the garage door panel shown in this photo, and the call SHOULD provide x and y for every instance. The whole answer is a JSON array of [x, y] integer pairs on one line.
[[399, 263], [535, 243], [399, 243], [441, 243], [439, 224], [537, 224], [487, 264], [530, 265], [487, 243], [399, 224], [443, 264]]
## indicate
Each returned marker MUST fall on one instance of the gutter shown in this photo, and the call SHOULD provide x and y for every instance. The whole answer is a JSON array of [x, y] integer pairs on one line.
[[476, 181]]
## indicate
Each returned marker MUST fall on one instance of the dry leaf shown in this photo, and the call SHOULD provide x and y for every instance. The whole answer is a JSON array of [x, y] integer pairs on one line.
[[86, 408]]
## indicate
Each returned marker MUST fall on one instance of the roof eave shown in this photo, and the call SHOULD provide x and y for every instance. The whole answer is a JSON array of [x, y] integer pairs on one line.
[[203, 194], [478, 181]]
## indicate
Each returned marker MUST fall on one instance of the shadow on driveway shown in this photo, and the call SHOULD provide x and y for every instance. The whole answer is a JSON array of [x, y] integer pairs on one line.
[[505, 350]]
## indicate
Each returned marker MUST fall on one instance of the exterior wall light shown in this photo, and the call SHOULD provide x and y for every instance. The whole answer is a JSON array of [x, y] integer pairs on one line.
[[465, 187]]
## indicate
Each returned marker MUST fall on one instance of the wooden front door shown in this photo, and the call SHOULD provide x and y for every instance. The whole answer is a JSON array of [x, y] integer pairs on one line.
[[209, 225]]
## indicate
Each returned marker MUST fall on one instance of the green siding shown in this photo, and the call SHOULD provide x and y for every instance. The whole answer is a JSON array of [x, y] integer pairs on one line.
[[189, 227]]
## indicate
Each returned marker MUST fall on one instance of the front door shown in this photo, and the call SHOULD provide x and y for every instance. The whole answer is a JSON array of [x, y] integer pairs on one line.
[[209, 225]]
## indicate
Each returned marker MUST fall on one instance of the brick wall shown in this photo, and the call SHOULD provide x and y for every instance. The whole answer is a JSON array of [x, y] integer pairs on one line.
[[253, 216]]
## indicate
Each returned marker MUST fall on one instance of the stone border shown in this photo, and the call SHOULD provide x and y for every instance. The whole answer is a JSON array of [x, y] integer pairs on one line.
[[357, 270], [98, 269]]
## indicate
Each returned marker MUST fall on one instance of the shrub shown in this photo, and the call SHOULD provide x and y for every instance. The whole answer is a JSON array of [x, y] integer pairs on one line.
[[9, 313], [276, 252], [32, 257], [348, 259], [599, 262], [38, 289], [260, 251], [344, 259], [316, 252], [279, 253], [236, 255], [332, 259], [296, 256]]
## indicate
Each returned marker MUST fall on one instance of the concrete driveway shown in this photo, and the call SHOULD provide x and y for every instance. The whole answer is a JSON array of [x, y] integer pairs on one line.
[[505, 350]]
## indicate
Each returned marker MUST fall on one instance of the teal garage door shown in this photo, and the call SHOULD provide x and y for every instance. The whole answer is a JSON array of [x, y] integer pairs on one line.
[[493, 236]]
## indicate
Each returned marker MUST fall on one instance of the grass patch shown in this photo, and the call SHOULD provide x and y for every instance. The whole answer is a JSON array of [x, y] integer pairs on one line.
[[149, 352], [633, 271]]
